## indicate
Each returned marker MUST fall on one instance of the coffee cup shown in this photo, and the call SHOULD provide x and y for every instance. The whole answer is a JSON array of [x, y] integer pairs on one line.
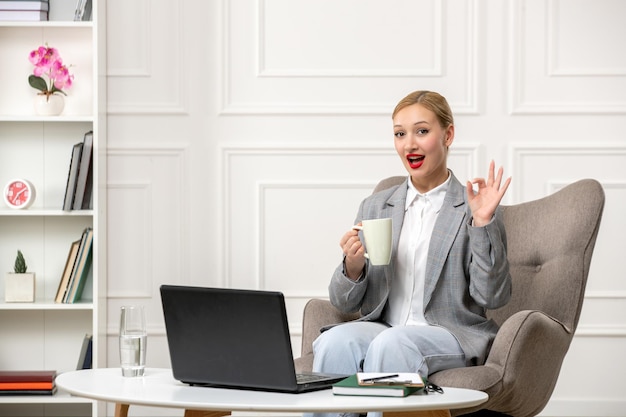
[[377, 235]]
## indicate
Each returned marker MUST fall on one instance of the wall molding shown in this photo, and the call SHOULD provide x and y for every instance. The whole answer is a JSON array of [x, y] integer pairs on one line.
[[179, 154], [518, 102], [552, 43], [228, 107], [175, 102], [519, 151], [262, 187], [435, 71], [145, 290]]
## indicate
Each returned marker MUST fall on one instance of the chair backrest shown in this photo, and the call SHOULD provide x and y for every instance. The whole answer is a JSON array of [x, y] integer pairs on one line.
[[550, 242]]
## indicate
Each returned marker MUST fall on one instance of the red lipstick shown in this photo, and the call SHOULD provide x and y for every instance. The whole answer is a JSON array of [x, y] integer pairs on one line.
[[415, 161]]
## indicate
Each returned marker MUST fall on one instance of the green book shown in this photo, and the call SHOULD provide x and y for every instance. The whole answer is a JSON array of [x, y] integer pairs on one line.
[[350, 386]]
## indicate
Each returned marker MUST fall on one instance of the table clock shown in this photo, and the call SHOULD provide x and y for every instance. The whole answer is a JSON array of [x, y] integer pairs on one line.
[[19, 194]]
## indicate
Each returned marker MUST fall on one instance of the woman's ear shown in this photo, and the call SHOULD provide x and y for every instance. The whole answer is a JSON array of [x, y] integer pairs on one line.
[[449, 136]]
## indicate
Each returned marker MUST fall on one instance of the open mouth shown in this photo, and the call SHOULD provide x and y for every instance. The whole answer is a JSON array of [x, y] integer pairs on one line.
[[415, 161]]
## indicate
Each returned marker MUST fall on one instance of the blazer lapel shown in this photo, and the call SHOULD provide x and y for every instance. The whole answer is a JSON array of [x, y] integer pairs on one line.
[[449, 221], [395, 209]]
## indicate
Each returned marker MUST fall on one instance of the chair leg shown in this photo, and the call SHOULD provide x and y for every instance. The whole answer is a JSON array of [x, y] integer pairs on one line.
[[432, 413]]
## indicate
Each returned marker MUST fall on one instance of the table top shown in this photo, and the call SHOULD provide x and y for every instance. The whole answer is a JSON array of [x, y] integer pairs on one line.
[[158, 388]]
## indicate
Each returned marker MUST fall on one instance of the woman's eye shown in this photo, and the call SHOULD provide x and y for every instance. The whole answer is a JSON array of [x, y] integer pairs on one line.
[[422, 132], [398, 134]]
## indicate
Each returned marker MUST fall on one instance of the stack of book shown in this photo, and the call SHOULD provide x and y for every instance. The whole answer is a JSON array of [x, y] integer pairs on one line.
[[78, 191], [76, 271], [24, 10], [27, 382]]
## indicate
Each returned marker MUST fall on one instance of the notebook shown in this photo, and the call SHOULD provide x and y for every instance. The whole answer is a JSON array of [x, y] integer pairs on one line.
[[231, 338]]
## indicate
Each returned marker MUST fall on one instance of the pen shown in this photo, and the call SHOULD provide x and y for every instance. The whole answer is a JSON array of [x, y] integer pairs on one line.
[[378, 378]]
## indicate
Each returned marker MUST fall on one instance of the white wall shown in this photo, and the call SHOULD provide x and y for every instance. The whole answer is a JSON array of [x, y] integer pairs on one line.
[[244, 133]]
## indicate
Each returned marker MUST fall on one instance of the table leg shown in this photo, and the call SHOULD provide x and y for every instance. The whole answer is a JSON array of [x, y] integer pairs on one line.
[[121, 410], [433, 413], [204, 413]]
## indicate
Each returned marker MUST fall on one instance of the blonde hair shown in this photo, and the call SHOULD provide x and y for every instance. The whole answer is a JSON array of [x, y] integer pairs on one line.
[[432, 101]]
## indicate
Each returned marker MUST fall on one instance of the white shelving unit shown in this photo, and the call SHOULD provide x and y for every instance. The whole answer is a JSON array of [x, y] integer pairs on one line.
[[43, 334]]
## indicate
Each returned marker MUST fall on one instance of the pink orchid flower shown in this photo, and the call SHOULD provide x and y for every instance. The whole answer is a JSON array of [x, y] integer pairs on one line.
[[48, 62]]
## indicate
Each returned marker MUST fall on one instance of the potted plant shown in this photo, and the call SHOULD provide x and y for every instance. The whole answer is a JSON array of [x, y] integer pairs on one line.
[[47, 61], [19, 285]]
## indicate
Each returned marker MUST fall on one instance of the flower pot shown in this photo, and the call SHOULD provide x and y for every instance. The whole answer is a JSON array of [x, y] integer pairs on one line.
[[51, 105], [19, 288]]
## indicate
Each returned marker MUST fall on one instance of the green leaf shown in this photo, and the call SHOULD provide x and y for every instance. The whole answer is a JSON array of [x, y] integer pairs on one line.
[[56, 90], [38, 83], [20, 264]]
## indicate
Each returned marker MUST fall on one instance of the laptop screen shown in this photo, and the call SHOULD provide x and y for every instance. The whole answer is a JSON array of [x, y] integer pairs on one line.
[[228, 338]]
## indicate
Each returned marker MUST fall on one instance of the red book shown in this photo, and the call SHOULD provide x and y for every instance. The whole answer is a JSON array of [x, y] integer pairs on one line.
[[27, 376]]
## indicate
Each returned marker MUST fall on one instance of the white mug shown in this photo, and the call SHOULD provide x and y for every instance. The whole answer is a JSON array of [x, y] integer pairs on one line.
[[377, 235]]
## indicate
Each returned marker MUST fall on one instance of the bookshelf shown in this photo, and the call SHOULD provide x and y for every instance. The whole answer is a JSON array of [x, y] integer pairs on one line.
[[45, 334]]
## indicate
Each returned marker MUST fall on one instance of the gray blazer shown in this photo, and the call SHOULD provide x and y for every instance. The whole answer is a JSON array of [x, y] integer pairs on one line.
[[467, 270]]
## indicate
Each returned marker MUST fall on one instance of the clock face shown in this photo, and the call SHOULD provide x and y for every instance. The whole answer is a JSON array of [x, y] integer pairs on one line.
[[19, 194]]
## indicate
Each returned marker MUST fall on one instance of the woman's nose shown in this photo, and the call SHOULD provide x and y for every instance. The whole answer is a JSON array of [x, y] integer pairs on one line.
[[411, 142]]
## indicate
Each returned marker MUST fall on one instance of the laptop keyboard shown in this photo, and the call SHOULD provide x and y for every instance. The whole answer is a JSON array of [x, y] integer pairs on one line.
[[307, 378]]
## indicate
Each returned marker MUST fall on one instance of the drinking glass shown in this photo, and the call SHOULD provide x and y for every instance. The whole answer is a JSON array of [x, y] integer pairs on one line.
[[133, 338]]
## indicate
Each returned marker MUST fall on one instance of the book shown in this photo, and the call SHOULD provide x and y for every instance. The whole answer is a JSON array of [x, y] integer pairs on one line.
[[86, 353], [23, 16], [67, 271], [4, 386], [70, 283], [83, 10], [84, 179], [28, 376], [81, 268], [29, 392], [24, 5], [351, 386], [72, 176]]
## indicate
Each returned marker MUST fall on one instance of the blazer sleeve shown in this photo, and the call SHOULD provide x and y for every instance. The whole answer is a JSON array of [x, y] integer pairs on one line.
[[490, 280], [346, 294]]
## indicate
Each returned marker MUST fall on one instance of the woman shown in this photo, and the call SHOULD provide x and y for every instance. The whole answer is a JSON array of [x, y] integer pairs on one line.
[[425, 311]]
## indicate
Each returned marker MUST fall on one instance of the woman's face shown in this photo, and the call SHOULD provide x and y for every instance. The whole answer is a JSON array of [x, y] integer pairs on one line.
[[422, 144]]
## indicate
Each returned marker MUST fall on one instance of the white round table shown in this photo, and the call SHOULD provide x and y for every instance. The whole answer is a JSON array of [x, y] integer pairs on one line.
[[158, 388]]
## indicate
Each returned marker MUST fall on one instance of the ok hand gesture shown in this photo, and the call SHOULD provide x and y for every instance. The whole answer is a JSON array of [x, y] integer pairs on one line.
[[484, 202]]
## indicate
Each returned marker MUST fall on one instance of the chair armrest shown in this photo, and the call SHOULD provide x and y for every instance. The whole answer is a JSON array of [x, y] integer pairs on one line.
[[317, 314], [522, 367]]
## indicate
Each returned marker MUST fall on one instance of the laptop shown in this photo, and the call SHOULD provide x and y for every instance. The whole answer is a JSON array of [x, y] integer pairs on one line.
[[231, 338]]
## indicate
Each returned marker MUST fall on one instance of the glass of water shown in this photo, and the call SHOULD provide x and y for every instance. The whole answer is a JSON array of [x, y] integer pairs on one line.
[[133, 338]]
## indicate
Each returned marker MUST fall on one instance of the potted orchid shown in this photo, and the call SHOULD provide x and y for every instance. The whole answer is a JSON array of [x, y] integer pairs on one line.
[[48, 63]]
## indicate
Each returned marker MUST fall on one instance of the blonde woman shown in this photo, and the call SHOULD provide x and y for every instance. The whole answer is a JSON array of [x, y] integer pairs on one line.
[[425, 311]]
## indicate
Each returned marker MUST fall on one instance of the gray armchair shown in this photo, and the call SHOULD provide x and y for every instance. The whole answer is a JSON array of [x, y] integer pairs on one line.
[[550, 243]]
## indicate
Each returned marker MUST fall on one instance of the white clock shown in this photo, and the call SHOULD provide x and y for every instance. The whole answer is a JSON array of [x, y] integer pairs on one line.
[[19, 194]]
